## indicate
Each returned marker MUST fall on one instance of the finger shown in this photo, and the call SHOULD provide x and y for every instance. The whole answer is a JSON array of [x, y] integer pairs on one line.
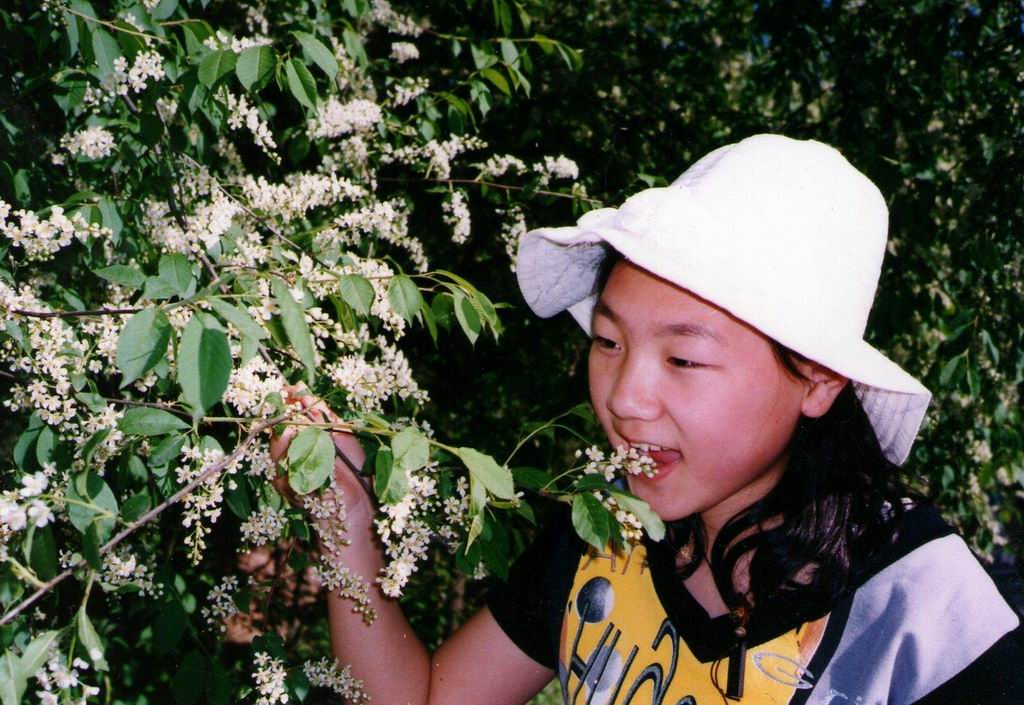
[[279, 443]]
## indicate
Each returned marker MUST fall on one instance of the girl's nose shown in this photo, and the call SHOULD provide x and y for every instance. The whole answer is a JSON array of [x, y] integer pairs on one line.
[[635, 394]]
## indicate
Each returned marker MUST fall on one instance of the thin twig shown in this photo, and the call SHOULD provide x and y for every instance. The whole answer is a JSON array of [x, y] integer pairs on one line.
[[74, 314], [494, 184], [148, 516], [113, 26]]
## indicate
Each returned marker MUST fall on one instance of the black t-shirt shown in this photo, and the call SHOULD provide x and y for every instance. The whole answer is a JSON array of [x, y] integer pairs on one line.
[[927, 626]]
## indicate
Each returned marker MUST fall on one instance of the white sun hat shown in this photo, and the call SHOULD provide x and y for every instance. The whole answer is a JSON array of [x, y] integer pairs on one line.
[[784, 234]]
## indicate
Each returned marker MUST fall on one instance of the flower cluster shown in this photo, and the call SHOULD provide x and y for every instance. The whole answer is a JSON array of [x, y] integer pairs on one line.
[[49, 353], [513, 229], [205, 501], [250, 385], [269, 676], [624, 460], [221, 604], [456, 216], [406, 530], [407, 90], [298, 194], [224, 40], [383, 14], [404, 51], [370, 383], [147, 65], [22, 508], [560, 167], [240, 112], [57, 678], [122, 569], [325, 673], [41, 239], [500, 164], [337, 118], [434, 156], [264, 527], [338, 578], [91, 142]]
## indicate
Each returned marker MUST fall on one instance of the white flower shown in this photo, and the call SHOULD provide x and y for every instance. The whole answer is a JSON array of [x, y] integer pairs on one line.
[[264, 526], [269, 677], [560, 167], [408, 90], [91, 142], [13, 515], [404, 51], [39, 513], [33, 484], [240, 112], [336, 118], [456, 216], [325, 673]]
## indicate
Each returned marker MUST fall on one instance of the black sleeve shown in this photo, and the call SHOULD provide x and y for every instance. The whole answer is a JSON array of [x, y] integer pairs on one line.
[[994, 678], [530, 605]]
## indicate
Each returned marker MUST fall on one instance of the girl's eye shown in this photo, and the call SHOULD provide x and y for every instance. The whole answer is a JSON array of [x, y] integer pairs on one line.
[[605, 343], [681, 363]]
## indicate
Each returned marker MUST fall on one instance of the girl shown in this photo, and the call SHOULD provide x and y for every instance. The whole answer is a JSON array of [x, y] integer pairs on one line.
[[727, 313]]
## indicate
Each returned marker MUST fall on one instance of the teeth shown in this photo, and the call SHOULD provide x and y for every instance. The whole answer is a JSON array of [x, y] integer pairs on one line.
[[646, 447]]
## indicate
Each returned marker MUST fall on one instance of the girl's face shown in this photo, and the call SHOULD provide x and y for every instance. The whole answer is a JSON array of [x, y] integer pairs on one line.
[[672, 371]]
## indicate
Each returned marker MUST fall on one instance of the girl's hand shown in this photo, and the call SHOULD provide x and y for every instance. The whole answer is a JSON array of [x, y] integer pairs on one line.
[[358, 503]]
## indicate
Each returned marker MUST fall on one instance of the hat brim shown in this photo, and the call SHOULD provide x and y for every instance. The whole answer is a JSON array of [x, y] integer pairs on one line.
[[557, 270]]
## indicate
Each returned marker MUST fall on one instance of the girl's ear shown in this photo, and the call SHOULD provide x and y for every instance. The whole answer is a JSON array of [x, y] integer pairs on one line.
[[823, 386]]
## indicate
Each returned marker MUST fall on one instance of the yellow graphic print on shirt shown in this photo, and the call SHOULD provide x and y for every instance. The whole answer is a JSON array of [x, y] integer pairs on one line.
[[618, 646]]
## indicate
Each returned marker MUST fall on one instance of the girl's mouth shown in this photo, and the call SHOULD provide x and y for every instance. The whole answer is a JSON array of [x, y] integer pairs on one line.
[[665, 458]]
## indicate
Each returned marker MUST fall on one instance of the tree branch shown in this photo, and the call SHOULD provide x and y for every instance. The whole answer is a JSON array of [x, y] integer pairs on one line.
[[134, 526]]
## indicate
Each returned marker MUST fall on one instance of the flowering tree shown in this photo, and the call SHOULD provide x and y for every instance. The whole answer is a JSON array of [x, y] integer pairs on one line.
[[200, 208]]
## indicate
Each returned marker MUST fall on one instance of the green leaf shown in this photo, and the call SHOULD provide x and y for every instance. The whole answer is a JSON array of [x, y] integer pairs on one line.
[[508, 51], [318, 53], [301, 83], [90, 489], [357, 292], [36, 654], [467, 316], [142, 344], [653, 524], [310, 460], [238, 500], [135, 506], [204, 363], [404, 296], [149, 422], [123, 275], [91, 640], [255, 66], [295, 327], [176, 270], [12, 683], [216, 64], [239, 318], [190, 680], [497, 79], [105, 49], [390, 483], [411, 449], [591, 520], [483, 468], [157, 288], [948, 370], [167, 450], [43, 554]]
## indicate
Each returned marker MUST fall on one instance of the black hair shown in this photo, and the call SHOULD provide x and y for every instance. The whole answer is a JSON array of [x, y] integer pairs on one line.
[[818, 531]]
